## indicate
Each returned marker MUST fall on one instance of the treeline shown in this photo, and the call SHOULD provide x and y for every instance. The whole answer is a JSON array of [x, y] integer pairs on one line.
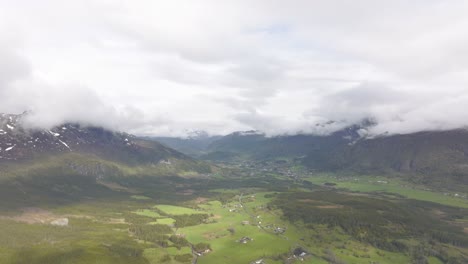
[[189, 220], [136, 219], [158, 234], [179, 241]]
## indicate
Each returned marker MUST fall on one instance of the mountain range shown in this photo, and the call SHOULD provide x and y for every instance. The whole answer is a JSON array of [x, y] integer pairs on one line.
[[437, 158], [193, 144], [72, 160], [432, 157]]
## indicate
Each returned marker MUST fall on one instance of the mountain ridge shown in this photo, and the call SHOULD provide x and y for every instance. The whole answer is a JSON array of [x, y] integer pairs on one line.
[[21, 145], [431, 157]]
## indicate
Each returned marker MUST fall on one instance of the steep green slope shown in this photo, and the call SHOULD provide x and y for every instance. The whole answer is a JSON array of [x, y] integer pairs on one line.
[[258, 146], [71, 162], [429, 157]]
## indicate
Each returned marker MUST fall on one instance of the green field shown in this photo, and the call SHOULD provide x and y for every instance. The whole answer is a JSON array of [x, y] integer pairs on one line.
[[359, 221], [140, 197], [176, 210], [147, 212], [164, 221], [392, 185]]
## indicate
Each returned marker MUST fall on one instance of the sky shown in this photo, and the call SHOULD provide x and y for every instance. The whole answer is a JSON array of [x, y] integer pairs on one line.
[[282, 67]]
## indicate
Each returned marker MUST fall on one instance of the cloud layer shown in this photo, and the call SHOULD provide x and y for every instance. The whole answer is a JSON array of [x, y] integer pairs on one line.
[[168, 67]]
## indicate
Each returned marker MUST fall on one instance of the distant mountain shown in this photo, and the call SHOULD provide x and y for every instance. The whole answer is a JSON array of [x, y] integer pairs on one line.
[[71, 162], [255, 145], [195, 144], [19, 145], [435, 158]]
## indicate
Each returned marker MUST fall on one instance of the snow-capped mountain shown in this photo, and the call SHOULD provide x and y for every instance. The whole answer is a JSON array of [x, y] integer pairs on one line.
[[19, 143]]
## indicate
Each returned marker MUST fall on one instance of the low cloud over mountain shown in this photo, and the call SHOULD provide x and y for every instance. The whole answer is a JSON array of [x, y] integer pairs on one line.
[[161, 68]]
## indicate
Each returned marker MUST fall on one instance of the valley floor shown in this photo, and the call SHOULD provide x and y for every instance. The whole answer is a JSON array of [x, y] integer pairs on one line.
[[243, 218]]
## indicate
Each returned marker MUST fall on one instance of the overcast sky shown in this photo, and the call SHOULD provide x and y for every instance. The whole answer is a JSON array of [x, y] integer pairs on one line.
[[167, 67]]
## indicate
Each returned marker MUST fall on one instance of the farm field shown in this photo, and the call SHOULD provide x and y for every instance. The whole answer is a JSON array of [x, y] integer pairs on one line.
[[230, 222], [176, 210], [298, 223], [390, 185]]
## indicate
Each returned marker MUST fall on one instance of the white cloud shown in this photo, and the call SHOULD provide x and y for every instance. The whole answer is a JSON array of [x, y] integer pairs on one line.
[[165, 67]]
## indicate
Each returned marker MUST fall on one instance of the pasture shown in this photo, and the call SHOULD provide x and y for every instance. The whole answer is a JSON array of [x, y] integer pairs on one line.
[[176, 210], [371, 184]]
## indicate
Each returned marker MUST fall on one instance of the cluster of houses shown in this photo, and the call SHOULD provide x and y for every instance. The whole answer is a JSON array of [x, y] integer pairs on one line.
[[464, 196], [279, 230], [278, 167], [276, 229], [235, 209], [300, 253], [245, 240]]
